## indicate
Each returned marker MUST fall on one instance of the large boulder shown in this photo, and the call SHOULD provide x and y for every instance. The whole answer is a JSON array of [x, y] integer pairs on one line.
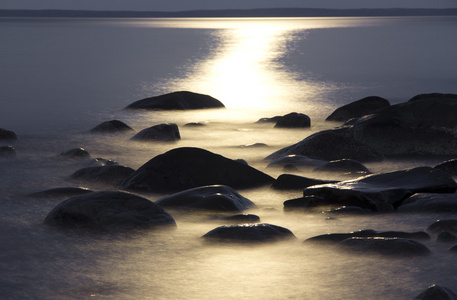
[[330, 145], [430, 203], [358, 109], [177, 101], [436, 292], [184, 168], [332, 238], [108, 210], [161, 132], [425, 125], [383, 246], [293, 120], [111, 174], [381, 191], [216, 197], [113, 126], [7, 135], [249, 233]]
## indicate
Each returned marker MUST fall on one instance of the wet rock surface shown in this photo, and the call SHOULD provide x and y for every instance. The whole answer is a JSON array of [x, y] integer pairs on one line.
[[249, 233], [344, 165], [182, 100]]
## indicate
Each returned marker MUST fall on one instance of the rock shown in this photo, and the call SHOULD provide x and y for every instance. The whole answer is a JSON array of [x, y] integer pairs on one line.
[[297, 161], [344, 165], [338, 237], [101, 162], [195, 124], [7, 135], [7, 151], [350, 210], [430, 203], [302, 203], [443, 225], [60, 192], [330, 145], [446, 237], [249, 233], [113, 126], [161, 132], [436, 292], [216, 197], [291, 182], [177, 101], [113, 174], [449, 166], [383, 191], [184, 168], [358, 109], [269, 120], [109, 211], [76, 153], [425, 125], [254, 145], [293, 120], [453, 249], [384, 246], [240, 218]]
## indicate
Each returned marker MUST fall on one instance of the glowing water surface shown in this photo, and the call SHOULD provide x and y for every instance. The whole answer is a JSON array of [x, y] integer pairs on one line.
[[63, 77]]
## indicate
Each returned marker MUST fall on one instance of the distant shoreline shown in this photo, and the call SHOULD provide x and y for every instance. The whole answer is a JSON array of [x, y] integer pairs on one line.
[[231, 13]]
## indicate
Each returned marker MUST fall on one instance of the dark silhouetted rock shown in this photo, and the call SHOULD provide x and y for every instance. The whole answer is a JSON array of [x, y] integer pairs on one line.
[[7, 135], [215, 197], [7, 151], [384, 246], [108, 211], [297, 161], [449, 166], [338, 237], [443, 225], [184, 168], [268, 120], [293, 120], [112, 175], [436, 292], [358, 109], [195, 124], [343, 165], [330, 145], [113, 126], [161, 132], [76, 153], [240, 218], [349, 210], [101, 162], [423, 126], [291, 182], [255, 145], [249, 233], [60, 192], [383, 191], [430, 203], [446, 237], [177, 101]]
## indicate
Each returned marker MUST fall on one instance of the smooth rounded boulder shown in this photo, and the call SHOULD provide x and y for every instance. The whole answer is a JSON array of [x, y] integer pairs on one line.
[[359, 108], [216, 198], [293, 120], [108, 210], [113, 126], [161, 132], [182, 100], [383, 246], [249, 233], [185, 168]]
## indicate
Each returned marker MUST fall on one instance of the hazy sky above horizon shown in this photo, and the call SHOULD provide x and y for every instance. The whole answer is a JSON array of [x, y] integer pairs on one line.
[[178, 5]]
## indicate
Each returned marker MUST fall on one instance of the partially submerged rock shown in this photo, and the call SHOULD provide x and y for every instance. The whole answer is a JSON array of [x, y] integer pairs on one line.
[[297, 161], [108, 211], [293, 120], [184, 168], [344, 165], [384, 246], [216, 197], [76, 153], [333, 238], [7, 151], [161, 132], [182, 100], [7, 135], [291, 182], [112, 174], [239, 218], [449, 166], [436, 292], [443, 225], [113, 126], [358, 109], [249, 233], [430, 203]]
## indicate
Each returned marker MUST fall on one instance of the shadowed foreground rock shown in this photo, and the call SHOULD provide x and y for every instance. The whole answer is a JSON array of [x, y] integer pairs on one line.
[[436, 292], [249, 233], [177, 101], [108, 211], [358, 109], [215, 197], [384, 246], [113, 126], [185, 168], [332, 238]]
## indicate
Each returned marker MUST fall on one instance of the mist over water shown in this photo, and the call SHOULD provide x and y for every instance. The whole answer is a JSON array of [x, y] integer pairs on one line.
[[62, 77]]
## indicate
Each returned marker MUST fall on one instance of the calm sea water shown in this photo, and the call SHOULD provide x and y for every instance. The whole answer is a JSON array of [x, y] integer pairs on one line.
[[61, 77]]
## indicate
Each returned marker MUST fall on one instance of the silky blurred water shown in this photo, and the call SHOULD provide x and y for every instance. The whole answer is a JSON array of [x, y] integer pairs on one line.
[[61, 77]]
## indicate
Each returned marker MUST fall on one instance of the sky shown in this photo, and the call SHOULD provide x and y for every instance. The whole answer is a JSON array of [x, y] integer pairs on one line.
[[179, 5]]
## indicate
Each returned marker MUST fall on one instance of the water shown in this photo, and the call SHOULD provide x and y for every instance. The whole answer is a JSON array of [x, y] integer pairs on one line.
[[61, 77]]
